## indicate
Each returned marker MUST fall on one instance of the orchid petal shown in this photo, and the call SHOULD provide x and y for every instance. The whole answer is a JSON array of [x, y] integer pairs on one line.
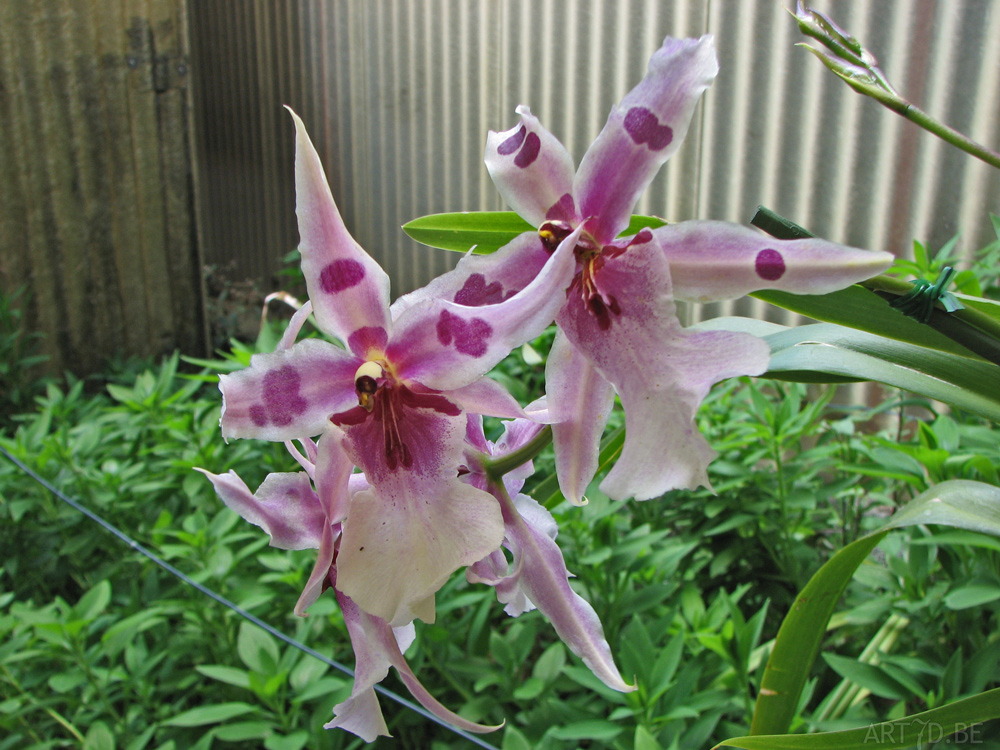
[[642, 133], [319, 577], [418, 523], [402, 540], [288, 394], [660, 371], [294, 326], [348, 289], [486, 396], [444, 346], [545, 580], [376, 647], [480, 280], [580, 400], [532, 170], [285, 506], [715, 260]]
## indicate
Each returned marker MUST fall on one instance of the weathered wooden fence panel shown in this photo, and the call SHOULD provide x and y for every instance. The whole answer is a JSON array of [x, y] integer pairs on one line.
[[97, 215]]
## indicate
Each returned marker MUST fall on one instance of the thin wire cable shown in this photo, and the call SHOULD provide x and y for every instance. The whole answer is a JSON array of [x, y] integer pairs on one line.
[[238, 610]]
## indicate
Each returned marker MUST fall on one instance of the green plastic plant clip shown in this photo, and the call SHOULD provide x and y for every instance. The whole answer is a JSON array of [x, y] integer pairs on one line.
[[920, 301]]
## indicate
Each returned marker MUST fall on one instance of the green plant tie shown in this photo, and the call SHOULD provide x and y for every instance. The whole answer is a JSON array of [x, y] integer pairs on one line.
[[919, 302]]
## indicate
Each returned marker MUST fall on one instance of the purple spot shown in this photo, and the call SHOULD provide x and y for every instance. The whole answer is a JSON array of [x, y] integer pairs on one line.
[[529, 151], [476, 292], [563, 209], [469, 336], [365, 339], [340, 275], [769, 264], [643, 127], [258, 415], [281, 396], [512, 144]]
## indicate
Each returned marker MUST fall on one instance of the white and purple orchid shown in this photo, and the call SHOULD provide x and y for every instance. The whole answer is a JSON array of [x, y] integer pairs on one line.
[[298, 516], [396, 396], [618, 329]]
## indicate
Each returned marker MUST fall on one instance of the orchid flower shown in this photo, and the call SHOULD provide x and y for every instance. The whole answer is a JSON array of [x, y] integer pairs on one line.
[[396, 397], [618, 330], [297, 516], [537, 576]]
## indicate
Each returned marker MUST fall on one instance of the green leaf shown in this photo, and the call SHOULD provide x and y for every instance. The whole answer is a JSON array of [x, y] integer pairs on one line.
[[973, 595], [919, 730], [487, 231], [959, 503], [99, 737], [228, 675], [220, 712], [93, 602], [244, 730], [594, 729], [861, 309], [644, 740], [969, 384], [257, 649], [867, 676]]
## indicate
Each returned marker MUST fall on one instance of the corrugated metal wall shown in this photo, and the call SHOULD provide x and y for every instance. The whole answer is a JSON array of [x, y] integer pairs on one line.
[[97, 206], [399, 94]]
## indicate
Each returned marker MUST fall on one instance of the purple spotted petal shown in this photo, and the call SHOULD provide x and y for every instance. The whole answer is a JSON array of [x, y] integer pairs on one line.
[[480, 280], [715, 260], [418, 523], [661, 371], [285, 506], [377, 646], [288, 394], [539, 574], [348, 289], [444, 345], [642, 133], [580, 400], [532, 170]]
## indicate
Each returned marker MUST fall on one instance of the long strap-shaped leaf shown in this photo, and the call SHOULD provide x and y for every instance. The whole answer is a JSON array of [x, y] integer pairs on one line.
[[920, 730], [958, 503]]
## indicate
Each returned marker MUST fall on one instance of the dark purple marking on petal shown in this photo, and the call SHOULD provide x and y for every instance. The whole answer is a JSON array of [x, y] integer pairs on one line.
[[476, 292], [281, 395], [434, 401], [529, 151], [258, 415], [365, 339], [512, 144], [643, 127], [468, 336], [340, 275], [563, 209], [769, 264]]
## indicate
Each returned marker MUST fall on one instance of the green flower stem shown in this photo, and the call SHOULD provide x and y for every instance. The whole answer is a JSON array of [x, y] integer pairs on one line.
[[914, 114], [497, 467]]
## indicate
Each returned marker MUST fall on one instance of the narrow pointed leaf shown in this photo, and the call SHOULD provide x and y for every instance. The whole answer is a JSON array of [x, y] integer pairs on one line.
[[919, 730], [487, 231], [959, 503]]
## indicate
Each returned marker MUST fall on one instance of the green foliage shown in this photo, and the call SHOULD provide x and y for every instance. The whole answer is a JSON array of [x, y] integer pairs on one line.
[[99, 648]]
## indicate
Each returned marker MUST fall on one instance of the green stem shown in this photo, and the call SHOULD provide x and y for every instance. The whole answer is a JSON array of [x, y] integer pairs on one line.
[[500, 465], [914, 114]]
